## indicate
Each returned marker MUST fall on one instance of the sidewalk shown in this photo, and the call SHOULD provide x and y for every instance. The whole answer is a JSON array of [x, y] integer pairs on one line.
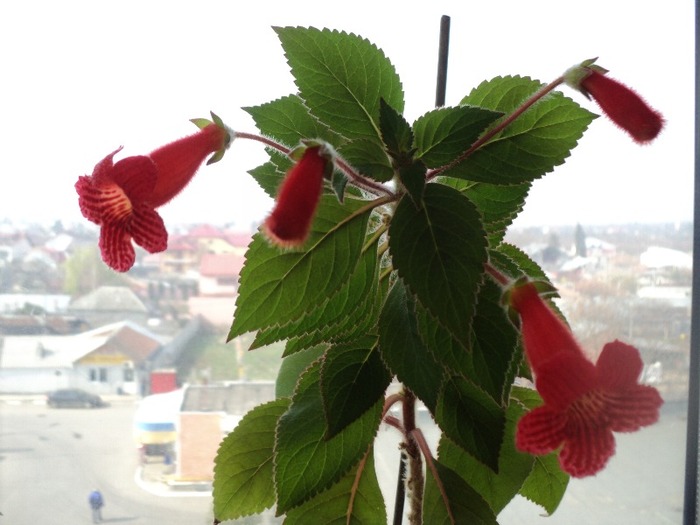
[[156, 477]]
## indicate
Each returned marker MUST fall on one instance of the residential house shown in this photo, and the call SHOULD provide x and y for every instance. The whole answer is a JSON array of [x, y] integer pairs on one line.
[[186, 250], [180, 258], [219, 272], [112, 359], [109, 304]]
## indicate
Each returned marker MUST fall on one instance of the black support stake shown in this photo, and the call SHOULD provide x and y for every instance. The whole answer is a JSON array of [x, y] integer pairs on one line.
[[443, 51]]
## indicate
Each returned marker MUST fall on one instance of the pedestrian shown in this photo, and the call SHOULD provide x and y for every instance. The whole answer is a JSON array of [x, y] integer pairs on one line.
[[96, 503]]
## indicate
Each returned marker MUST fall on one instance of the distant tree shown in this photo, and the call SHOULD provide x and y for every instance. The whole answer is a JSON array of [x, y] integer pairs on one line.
[[58, 227], [552, 252], [85, 271], [580, 241]]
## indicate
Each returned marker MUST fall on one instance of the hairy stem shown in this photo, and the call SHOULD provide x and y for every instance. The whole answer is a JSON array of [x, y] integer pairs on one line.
[[419, 438], [415, 481], [362, 181], [496, 274], [260, 138]]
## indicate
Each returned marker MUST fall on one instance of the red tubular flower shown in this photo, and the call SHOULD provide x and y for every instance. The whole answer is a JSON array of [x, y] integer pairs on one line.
[[290, 221], [584, 403], [121, 197], [620, 103]]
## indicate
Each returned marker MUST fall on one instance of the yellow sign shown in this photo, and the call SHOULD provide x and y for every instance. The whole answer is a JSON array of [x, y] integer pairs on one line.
[[104, 359]]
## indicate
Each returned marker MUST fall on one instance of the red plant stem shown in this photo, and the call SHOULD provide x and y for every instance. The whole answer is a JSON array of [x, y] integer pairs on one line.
[[415, 481], [496, 274], [498, 128], [259, 138], [419, 438], [390, 401], [363, 182], [355, 486]]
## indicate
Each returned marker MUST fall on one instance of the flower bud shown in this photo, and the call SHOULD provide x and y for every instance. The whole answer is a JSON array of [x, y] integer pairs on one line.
[[290, 221], [620, 103]]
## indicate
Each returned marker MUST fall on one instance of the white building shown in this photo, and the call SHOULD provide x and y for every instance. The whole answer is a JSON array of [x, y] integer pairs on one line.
[[108, 360]]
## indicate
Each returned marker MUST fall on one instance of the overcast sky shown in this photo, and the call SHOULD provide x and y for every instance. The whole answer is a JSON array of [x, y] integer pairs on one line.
[[80, 79]]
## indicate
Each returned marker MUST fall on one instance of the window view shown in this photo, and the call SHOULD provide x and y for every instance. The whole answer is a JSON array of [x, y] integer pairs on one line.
[[117, 382]]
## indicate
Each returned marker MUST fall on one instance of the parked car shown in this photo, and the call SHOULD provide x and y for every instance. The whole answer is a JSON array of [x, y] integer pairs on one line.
[[74, 397]]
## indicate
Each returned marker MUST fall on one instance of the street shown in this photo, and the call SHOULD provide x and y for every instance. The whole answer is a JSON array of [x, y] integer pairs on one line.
[[50, 459]]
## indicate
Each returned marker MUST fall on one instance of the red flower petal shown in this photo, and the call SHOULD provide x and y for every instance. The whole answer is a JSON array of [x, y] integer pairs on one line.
[[564, 379], [116, 248], [587, 450], [136, 176], [89, 199], [619, 365], [541, 431], [148, 229], [102, 203], [103, 169], [633, 408]]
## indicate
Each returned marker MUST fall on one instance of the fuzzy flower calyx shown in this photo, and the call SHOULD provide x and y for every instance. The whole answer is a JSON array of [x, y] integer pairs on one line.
[[620, 103], [289, 223], [584, 403], [122, 197]]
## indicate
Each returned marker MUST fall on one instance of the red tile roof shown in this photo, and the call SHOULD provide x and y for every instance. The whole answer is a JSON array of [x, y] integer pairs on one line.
[[221, 264]]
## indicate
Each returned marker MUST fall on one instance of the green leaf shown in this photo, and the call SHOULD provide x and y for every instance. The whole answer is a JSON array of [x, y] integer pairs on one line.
[[243, 483], [449, 500], [516, 262], [413, 178], [445, 349], [444, 133], [546, 484], [396, 133], [339, 183], [278, 286], [440, 250], [361, 321], [402, 348], [472, 419], [490, 361], [495, 345], [330, 317], [293, 367], [342, 78], [288, 121], [536, 142], [305, 462], [368, 158], [355, 500], [499, 204], [269, 177], [353, 379], [513, 466]]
